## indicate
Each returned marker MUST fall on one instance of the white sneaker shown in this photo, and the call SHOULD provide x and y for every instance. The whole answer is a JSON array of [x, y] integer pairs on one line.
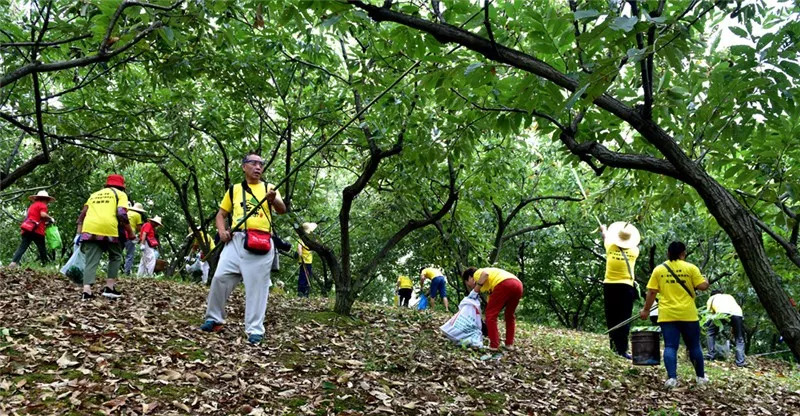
[[702, 380], [671, 383]]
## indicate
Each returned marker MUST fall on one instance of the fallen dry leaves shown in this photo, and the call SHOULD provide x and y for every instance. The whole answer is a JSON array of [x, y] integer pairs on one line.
[[143, 355]]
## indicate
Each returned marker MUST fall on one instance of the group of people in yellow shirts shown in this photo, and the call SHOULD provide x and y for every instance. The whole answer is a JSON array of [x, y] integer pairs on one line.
[[248, 255], [106, 224], [675, 283], [504, 291]]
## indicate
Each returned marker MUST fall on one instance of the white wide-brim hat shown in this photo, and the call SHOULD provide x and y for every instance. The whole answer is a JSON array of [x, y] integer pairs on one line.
[[156, 219], [137, 207], [623, 235], [41, 195], [309, 227]]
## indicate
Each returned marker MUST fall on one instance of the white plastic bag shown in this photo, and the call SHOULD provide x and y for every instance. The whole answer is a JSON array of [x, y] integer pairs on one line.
[[464, 327], [76, 262], [194, 267]]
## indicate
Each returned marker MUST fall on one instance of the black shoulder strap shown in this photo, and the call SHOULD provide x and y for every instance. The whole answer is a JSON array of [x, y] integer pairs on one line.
[[246, 189], [116, 198], [116, 204], [683, 285], [627, 263]]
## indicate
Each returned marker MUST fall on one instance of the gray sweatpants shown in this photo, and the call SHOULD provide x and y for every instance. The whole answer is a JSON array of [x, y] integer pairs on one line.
[[236, 265]]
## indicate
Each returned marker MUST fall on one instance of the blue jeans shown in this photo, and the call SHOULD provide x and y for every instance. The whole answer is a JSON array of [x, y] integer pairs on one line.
[[690, 331], [438, 288], [304, 280]]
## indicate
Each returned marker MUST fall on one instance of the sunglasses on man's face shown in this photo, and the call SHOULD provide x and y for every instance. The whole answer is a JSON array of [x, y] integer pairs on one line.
[[254, 162]]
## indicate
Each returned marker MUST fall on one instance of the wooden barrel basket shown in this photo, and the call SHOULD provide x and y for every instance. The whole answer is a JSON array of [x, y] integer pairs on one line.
[[161, 265], [646, 347]]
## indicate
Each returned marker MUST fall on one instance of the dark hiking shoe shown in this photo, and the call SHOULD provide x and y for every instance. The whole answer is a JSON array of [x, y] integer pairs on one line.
[[255, 339], [87, 296], [111, 293], [211, 326]]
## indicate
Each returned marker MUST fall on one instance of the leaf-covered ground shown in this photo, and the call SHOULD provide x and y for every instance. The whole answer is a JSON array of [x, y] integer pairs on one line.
[[143, 354]]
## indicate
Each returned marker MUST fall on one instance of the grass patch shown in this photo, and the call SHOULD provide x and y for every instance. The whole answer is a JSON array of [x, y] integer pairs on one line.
[[167, 392], [186, 348], [123, 374], [8, 350], [348, 404], [664, 412], [36, 378], [494, 401]]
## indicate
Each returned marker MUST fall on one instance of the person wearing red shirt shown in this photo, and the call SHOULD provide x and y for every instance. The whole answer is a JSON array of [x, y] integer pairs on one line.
[[33, 227], [149, 242]]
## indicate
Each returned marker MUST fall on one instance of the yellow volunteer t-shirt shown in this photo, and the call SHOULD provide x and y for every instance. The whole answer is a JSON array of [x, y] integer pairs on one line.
[[199, 241], [724, 303], [616, 269], [135, 219], [261, 220], [404, 282], [306, 256], [495, 277], [101, 217], [431, 272], [674, 304]]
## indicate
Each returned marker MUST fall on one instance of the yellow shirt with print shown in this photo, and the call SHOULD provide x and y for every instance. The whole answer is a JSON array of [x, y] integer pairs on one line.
[[674, 304], [616, 269], [101, 217], [135, 219], [306, 256], [495, 277], [262, 219], [431, 272], [404, 282]]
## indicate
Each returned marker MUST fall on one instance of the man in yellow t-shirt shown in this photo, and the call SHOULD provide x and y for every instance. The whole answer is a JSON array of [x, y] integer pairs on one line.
[[725, 305], [404, 288], [237, 263], [438, 285], [621, 240], [305, 258], [676, 282], [135, 219], [99, 224]]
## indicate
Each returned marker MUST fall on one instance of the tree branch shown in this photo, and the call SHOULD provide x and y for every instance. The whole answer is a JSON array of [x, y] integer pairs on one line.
[[532, 228], [411, 225], [488, 26], [45, 44], [618, 160], [791, 250]]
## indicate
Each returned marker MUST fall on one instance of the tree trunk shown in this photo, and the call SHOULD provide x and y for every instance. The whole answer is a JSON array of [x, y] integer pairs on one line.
[[746, 238], [345, 297]]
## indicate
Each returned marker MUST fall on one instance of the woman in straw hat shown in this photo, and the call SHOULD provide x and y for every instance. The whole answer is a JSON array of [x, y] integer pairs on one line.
[[305, 258], [621, 240], [33, 226], [148, 241]]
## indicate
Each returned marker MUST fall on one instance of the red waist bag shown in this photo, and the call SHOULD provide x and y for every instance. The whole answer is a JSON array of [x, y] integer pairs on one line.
[[28, 225], [257, 241]]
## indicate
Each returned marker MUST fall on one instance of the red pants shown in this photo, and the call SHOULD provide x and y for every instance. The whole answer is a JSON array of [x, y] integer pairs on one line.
[[505, 295]]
